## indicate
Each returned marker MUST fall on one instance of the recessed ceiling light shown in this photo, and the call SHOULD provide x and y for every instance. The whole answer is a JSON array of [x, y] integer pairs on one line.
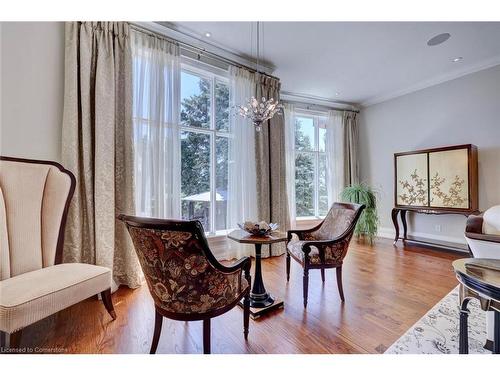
[[438, 39], [337, 94], [458, 59], [208, 34]]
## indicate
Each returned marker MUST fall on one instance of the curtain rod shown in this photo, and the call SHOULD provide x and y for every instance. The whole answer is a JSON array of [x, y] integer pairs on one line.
[[197, 50], [310, 106]]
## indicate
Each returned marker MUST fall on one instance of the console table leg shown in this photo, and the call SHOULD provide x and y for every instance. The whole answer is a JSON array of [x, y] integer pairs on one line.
[[405, 226], [496, 338], [463, 346], [394, 215]]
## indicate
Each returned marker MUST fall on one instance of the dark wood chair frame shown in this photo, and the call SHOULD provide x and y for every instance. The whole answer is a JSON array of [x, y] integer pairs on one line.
[[321, 245], [474, 230], [195, 227], [11, 340]]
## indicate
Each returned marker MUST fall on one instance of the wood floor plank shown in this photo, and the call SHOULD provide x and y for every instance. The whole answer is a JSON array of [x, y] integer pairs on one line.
[[387, 290]]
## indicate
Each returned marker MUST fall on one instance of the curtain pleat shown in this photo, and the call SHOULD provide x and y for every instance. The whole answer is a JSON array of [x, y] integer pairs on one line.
[[271, 165], [335, 156], [241, 195], [97, 146], [350, 140], [289, 114], [156, 102]]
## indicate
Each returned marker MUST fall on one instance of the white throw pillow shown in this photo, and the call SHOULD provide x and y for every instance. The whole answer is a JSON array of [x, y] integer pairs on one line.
[[491, 220]]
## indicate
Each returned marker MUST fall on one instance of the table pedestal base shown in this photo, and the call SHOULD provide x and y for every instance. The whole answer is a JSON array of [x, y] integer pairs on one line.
[[258, 312]]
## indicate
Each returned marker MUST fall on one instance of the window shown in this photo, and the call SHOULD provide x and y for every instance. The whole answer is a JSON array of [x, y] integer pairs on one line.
[[204, 142], [310, 166]]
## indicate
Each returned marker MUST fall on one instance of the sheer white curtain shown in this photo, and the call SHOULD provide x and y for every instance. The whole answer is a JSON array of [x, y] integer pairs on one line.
[[156, 80], [334, 156], [289, 112], [242, 193]]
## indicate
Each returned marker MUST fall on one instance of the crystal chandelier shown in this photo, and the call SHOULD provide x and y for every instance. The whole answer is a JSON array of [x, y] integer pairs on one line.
[[255, 111], [259, 112]]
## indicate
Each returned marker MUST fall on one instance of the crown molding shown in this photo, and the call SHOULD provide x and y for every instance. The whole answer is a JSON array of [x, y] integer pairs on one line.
[[184, 35], [316, 100], [483, 65]]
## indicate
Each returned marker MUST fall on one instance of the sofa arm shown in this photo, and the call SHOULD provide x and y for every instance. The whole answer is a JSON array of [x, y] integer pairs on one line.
[[474, 224]]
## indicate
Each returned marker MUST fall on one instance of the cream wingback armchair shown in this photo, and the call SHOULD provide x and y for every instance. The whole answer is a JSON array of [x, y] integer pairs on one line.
[[34, 201]]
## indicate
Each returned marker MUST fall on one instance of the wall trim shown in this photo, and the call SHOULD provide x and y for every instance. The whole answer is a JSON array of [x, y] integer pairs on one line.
[[185, 35], [483, 65], [316, 100], [386, 232]]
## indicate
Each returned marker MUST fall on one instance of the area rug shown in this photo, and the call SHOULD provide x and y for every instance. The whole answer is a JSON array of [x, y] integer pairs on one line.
[[437, 331]]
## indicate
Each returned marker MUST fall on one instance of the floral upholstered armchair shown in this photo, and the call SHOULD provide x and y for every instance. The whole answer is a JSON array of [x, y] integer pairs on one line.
[[184, 278], [325, 245]]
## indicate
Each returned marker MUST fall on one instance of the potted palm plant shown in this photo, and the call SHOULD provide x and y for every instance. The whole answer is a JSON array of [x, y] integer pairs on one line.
[[368, 222]]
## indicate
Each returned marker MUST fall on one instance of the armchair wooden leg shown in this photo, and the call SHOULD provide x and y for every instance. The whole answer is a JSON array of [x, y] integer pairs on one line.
[[246, 314], [305, 285], [108, 302], [9, 340], [339, 283], [206, 336], [157, 332], [4, 341], [287, 266], [323, 275]]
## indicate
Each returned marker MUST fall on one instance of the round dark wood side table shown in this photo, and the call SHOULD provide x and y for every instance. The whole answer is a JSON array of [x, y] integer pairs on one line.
[[261, 301], [480, 279]]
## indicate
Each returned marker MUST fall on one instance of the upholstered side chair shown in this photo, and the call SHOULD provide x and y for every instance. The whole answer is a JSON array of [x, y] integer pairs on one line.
[[34, 201], [325, 245], [185, 280]]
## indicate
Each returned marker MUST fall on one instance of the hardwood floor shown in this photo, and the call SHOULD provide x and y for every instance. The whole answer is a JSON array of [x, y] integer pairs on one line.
[[387, 290]]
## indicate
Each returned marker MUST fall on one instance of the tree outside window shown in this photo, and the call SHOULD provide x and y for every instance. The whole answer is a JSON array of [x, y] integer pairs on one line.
[[310, 166], [204, 148]]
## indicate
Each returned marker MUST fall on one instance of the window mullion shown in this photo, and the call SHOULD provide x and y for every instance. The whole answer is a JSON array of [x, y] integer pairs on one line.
[[213, 195], [316, 167]]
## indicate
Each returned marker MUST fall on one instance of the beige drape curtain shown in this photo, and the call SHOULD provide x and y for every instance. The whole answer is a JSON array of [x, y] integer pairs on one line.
[[271, 180], [97, 146], [350, 146]]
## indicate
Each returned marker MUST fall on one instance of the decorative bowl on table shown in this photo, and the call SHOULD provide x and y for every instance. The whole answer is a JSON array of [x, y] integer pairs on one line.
[[261, 228]]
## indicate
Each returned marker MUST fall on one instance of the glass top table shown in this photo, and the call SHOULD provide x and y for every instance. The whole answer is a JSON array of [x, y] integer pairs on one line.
[[480, 279]]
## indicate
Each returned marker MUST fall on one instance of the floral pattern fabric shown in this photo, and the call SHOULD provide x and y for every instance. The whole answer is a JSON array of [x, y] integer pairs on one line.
[[334, 254], [179, 276], [336, 222]]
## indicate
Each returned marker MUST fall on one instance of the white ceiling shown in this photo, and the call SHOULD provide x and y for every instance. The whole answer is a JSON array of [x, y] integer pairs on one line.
[[364, 62]]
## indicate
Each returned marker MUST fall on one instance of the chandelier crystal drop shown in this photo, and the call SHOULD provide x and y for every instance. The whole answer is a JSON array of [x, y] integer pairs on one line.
[[258, 112], [255, 110]]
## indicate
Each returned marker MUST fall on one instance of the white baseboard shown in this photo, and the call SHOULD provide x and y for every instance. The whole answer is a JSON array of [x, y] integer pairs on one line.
[[385, 232]]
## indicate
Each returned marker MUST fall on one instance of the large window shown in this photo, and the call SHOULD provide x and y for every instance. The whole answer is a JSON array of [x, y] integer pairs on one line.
[[204, 139], [310, 166]]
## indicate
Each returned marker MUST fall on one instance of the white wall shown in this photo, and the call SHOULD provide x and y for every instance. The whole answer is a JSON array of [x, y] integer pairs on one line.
[[32, 83], [464, 110]]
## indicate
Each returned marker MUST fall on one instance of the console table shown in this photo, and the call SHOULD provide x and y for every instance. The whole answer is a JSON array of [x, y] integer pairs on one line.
[[401, 212], [436, 181]]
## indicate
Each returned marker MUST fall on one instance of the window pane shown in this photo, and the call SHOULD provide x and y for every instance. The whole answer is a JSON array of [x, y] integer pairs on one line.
[[221, 175], [221, 106], [304, 184], [195, 101], [304, 134], [322, 192], [195, 177], [322, 139]]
